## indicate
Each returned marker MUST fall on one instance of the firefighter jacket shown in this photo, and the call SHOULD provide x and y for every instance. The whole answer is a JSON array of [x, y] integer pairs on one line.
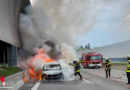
[[77, 67], [108, 65], [128, 66]]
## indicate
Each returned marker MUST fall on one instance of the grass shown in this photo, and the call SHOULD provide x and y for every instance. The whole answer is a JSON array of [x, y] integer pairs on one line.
[[119, 63], [8, 70], [119, 66]]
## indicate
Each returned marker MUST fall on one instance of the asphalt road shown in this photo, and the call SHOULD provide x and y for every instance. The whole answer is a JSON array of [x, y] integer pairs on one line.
[[94, 83]]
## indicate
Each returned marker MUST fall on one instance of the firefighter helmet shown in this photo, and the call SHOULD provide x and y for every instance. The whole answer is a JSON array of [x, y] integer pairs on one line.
[[106, 58], [128, 57]]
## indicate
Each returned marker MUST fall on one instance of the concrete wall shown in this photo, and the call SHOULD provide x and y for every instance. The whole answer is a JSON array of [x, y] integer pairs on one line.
[[9, 29], [9, 16]]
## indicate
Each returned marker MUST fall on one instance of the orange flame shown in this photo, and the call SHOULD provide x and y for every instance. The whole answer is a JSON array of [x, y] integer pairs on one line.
[[24, 78], [31, 71]]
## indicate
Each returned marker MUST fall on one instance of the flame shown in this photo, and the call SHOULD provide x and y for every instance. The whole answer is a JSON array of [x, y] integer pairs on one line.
[[24, 78], [32, 71]]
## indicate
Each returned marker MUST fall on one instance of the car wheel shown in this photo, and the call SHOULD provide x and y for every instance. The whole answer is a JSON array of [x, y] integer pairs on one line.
[[62, 77]]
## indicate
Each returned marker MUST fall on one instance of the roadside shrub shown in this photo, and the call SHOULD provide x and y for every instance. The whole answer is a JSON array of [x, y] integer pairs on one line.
[[9, 71], [4, 66], [13, 69], [5, 73]]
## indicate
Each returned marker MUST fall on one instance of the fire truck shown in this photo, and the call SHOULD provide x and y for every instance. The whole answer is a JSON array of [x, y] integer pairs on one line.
[[92, 59]]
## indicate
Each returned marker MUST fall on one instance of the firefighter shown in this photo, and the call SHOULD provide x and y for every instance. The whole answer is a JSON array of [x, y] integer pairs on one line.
[[108, 67], [128, 69], [77, 69]]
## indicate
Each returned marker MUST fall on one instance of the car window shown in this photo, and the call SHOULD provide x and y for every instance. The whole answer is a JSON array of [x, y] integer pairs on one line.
[[84, 57], [52, 67], [96, 57]]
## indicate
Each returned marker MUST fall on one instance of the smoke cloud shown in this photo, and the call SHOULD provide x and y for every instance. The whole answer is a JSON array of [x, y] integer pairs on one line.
[[58, 20], [63, 21]]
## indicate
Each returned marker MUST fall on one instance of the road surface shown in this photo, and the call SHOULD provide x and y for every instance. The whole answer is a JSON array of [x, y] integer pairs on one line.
[[90, 82]]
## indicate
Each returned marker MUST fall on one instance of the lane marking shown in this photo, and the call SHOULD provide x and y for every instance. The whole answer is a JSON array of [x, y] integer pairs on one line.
[[35, 87], [86, 81]]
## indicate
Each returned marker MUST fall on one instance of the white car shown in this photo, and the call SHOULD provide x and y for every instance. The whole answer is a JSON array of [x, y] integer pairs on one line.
[[52, 71]]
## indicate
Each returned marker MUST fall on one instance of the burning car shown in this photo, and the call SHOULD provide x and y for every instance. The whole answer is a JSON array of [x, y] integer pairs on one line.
[[52, 71]]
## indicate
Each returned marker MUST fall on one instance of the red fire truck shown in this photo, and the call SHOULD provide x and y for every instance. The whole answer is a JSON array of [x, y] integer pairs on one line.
[[92, 59]]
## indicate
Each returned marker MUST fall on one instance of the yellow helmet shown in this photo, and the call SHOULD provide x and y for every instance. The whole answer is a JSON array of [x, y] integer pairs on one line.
[[79, 61], [128, 56], [106, 58]]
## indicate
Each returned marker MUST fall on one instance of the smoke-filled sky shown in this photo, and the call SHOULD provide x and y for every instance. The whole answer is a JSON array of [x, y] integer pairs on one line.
[[98, 22]]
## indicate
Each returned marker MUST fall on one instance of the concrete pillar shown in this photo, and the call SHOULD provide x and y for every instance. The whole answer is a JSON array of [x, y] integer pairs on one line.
[[11, 55]]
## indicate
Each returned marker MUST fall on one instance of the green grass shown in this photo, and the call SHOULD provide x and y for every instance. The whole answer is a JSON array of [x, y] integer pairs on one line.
[[118, 63], [123, 63], [6, 71]]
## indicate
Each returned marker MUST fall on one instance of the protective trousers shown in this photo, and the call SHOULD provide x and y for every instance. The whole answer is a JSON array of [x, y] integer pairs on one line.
[[79, 75], [128, 76], [108, 73]]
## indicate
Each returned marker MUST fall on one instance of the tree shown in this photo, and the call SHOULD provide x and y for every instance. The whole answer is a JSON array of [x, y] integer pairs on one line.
[[89, 46], [81, 47]]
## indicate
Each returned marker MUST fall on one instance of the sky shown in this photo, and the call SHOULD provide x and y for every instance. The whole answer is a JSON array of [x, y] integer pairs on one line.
[[112, 24], [108, 22]]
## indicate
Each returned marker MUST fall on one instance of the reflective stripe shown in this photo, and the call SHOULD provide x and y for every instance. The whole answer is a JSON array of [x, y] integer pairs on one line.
[[77, 70], [127, 70]]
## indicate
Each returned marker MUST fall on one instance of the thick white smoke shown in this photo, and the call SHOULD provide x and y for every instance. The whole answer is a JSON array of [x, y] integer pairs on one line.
[[65, 20], [67, 70], [59, 20], [68, 53]]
